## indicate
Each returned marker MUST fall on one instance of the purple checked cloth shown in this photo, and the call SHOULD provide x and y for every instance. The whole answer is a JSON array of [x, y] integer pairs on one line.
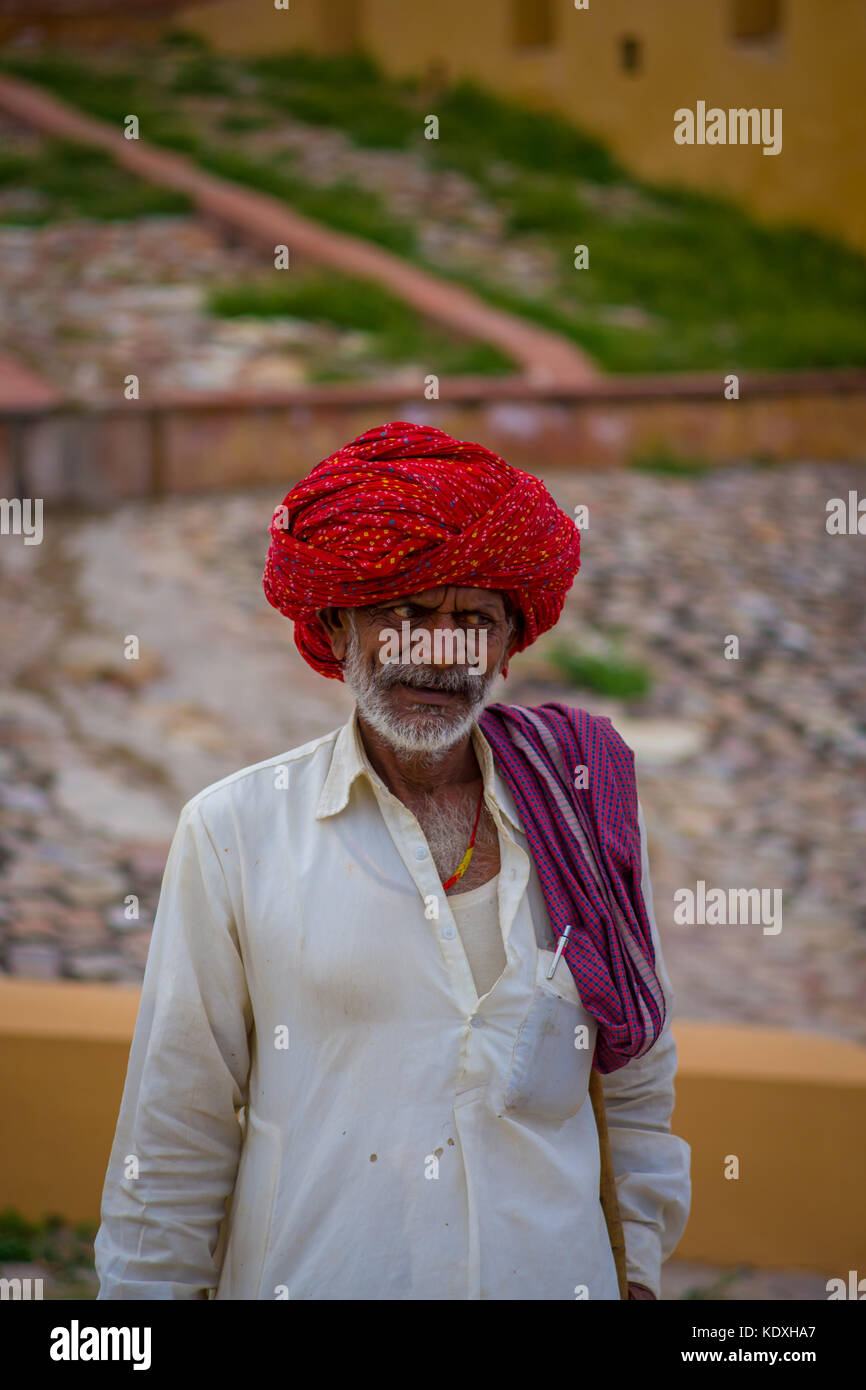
[[585, 842]]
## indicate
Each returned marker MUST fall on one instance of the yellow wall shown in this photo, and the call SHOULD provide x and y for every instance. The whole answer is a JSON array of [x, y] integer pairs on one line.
[[63, 1053], [789, 1105], [814, 72], [241, 27]]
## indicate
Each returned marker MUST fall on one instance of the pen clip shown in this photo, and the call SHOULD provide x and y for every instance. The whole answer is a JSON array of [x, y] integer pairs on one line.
[[560, 947]]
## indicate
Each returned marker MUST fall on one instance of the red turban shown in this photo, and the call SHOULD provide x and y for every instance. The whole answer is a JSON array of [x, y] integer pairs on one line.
[[405, 508]]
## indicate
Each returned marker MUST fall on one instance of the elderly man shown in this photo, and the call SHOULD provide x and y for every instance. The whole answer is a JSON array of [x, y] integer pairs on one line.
[[384, 963]]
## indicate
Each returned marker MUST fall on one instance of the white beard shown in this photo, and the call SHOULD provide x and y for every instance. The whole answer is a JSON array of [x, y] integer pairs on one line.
[[432, 733]]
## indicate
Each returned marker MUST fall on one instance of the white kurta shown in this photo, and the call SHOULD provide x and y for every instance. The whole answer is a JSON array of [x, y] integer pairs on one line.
[[400, 1137]]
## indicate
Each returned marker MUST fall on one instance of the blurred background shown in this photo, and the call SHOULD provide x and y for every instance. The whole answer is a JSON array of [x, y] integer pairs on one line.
[[233, 237]]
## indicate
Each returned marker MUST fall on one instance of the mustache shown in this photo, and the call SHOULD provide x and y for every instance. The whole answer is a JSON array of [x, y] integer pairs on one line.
[[452, 680]]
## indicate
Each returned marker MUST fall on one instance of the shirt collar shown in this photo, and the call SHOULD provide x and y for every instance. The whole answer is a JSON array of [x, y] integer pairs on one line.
[[349, 760]]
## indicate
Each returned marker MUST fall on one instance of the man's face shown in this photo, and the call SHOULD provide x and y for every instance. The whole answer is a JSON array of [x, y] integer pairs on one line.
[[429, 704]]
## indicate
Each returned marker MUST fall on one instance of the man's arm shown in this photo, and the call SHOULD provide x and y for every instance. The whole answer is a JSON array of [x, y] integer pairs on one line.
[[651, 1164], [177, 1145]]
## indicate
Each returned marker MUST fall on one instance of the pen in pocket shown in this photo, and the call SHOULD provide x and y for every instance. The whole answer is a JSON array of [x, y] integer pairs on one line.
[[560, 947]]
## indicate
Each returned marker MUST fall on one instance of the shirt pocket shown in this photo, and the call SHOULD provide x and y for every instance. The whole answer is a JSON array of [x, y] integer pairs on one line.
[[553, 1051], [252, 1206]]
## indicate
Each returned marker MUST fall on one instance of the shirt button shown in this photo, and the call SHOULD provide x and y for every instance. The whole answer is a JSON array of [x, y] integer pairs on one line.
[[477, 1021], [420, 852], [512, 873], [448, 932]]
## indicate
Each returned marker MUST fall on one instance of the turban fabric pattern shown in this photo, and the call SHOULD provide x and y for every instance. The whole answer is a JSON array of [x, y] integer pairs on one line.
[[404, 508]]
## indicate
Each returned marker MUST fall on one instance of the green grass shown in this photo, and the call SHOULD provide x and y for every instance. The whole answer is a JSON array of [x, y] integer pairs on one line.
[[344, 205], [608, 674], [51, 1241], [239, 122], [112, 95], [346, 92], [533, 203], [396, 334], [478, 128], [185, 38], [79, 181], [661, 461], [56, 1248], [202, 75], [717, 290]]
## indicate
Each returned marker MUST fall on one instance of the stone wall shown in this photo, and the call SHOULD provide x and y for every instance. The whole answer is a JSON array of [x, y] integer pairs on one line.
[[99, 454]]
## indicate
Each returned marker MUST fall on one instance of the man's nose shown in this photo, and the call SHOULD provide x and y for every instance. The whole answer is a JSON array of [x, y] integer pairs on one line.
[[444, 653]]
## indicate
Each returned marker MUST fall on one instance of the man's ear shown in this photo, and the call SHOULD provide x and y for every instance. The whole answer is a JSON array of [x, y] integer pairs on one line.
[[336, 623]]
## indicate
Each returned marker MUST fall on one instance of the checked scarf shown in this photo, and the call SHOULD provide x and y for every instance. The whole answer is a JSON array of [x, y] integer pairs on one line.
[[586, 846]]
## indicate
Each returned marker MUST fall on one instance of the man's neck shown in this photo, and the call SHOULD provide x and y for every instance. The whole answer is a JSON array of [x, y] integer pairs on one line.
[[407, 773]]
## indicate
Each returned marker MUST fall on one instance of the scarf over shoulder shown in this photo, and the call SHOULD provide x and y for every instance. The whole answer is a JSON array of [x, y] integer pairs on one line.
[[573, 782]]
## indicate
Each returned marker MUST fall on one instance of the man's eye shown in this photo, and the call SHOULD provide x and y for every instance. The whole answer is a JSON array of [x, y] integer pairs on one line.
[[403, 610]]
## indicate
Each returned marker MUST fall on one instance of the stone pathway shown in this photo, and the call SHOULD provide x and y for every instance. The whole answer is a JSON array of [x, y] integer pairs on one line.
[[750, 771], [267, 222], [83, 302], [87, 302]]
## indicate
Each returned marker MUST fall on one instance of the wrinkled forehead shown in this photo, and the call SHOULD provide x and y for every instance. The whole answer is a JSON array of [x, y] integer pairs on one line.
[[457, 599]]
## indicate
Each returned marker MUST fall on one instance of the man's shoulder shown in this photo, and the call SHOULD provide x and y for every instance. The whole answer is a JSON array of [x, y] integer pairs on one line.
[[309, 759], [565, 721]]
